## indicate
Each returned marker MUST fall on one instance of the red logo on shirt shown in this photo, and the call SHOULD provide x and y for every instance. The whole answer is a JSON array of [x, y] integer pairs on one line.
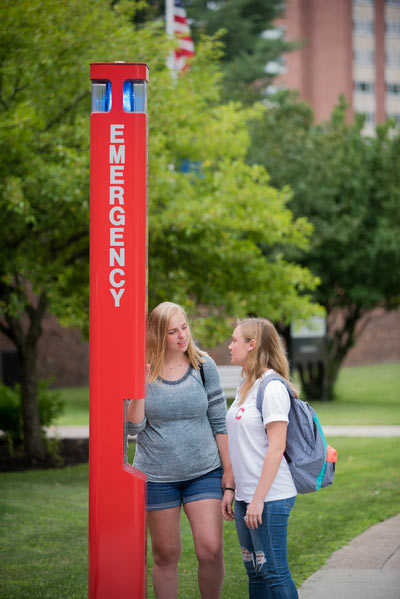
[[239, 413]]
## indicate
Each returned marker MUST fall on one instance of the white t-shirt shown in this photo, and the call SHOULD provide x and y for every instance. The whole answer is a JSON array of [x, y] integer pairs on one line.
[[248, 441]]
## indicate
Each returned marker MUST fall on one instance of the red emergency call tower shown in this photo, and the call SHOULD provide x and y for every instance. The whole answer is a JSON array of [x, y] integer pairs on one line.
[[118, 279]]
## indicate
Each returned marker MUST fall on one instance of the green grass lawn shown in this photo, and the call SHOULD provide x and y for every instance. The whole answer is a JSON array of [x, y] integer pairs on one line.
[[76, 406], [44, 513], [365, 395], [44, 521]]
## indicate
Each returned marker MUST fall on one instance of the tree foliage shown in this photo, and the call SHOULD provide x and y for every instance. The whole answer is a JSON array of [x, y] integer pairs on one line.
[[348, 186], [206, 229], [240, 26]]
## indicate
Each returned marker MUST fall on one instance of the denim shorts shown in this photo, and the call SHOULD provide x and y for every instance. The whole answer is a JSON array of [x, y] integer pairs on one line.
[[161, 496]]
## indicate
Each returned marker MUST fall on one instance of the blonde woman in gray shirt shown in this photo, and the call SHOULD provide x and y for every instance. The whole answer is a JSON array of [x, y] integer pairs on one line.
[[182, 448]]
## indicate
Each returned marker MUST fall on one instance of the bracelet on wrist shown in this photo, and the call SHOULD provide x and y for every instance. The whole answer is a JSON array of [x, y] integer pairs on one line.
[[229, 489]]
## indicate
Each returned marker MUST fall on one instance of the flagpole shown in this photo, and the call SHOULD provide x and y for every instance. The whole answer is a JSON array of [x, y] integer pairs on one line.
[[169, 28], [169, 17], [177, 28]]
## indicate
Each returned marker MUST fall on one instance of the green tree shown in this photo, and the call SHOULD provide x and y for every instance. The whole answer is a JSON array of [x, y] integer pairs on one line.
[[240, 25], [45, 50], [206, 229], [348, 186], [247, 50]]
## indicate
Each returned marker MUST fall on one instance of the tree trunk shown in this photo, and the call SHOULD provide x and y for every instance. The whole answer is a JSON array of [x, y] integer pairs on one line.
[[312, 380], [33, 440], [26, 341], [331, 372], [341, 338], [318, 379]]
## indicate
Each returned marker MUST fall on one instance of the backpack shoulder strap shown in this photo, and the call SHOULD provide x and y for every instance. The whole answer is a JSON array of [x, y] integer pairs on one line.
[[203, 378], [264, 383]]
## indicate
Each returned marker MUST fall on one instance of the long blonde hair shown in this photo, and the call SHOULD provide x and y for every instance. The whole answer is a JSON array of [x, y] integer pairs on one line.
[[157, 330], [268, 352]]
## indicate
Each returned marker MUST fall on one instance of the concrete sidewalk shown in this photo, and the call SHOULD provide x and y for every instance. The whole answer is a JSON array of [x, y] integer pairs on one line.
[[68, 432], [368, 567], [361, 431], [82, 432]]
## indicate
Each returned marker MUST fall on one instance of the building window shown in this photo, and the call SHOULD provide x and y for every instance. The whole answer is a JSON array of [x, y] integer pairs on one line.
[[364, 57], [365, 87], [363, 27], [392, 28], [393, 3], [369, 118], [363, 1], [393, 59], [393, 88]]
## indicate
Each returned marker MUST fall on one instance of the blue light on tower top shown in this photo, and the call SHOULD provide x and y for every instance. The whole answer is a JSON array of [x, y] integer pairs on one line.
[[101, 96], [135, 97]]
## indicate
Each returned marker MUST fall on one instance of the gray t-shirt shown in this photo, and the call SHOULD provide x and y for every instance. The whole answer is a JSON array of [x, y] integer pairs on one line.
[[176, 440]]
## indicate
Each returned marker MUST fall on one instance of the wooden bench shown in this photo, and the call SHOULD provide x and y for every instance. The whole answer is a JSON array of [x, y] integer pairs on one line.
[[230, 377]]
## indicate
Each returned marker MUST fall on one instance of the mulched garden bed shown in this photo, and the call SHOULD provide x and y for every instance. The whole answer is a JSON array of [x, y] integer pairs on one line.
[[70, 453]]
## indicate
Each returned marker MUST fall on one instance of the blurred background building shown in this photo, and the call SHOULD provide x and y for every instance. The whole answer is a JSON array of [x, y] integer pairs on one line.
[[349, 47]]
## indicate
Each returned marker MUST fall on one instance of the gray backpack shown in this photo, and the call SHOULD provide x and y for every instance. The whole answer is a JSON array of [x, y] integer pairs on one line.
[[311, 461]]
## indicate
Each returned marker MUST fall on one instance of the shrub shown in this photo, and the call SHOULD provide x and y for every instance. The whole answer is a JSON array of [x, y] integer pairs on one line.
[[51, 404], [50, 407], [10, 413]]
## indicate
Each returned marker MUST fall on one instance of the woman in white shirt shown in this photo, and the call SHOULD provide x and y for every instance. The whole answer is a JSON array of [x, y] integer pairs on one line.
[[264, 489]]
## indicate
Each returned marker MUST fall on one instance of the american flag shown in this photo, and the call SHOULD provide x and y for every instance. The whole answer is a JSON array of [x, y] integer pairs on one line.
[[177, 26]]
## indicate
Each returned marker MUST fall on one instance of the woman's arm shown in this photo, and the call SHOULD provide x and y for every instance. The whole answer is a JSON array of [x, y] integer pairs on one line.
[[136, 406], [228, 483], [222, 444], [276, 447], [216, 412], [136, 411]]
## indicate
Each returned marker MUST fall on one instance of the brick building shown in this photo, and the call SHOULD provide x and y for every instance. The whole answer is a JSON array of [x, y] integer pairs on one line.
[[62, 354], [349, 47]]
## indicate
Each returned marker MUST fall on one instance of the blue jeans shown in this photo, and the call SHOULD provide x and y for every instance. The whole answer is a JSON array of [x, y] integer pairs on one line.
[[264, 551]]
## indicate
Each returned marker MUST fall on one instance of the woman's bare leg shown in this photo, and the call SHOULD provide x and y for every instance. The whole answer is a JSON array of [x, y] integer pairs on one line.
[[164, 527], [207, 527]]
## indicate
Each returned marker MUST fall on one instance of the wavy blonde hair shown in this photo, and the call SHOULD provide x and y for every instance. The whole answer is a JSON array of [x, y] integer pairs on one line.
[[157, 331], [269, 352]]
